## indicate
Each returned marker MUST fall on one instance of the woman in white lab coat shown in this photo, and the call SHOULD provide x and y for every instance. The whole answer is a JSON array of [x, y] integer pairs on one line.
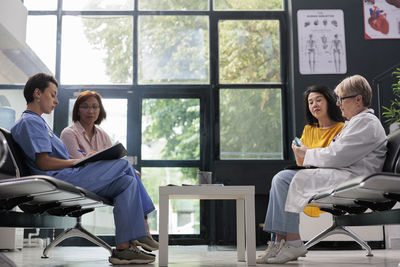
[[360, 148]]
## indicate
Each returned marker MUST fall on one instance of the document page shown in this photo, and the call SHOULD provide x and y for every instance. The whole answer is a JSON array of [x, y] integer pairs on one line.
[[115, 151]]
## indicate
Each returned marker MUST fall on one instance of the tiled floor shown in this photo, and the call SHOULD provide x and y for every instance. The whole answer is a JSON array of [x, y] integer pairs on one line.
[[199, 256]]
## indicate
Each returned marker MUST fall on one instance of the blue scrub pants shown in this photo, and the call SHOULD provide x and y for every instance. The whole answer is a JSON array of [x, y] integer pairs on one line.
[[277, 220], [116, 180]]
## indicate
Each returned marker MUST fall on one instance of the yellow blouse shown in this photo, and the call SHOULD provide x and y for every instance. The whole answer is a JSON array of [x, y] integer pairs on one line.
[[314, 137]]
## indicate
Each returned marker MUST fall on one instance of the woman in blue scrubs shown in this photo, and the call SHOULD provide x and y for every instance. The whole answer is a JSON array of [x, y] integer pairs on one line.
[[113, 179]]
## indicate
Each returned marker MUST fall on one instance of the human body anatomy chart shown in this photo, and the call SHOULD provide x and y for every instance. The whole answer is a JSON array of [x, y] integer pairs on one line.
[[381, 19], [322, 46]]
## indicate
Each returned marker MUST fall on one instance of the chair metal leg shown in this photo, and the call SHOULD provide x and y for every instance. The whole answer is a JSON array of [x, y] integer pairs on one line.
[[77, 231], [334, 229], [362, 243], [316, 239]]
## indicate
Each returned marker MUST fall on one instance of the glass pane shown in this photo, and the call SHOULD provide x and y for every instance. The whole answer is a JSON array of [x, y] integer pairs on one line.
[[41, 5], [249, 51], [41, 36], [115, 124], [12, 104], [97, 50], [184, 215], [253, 130], [173, 49], [171, 129], [98, 5], [181, 5], [247, 5], [100, 221]]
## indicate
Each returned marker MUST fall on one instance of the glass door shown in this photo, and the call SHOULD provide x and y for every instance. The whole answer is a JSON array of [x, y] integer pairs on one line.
[[170, 154]]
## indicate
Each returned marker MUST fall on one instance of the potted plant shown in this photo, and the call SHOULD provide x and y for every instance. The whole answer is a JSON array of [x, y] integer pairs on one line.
[[392, 113]]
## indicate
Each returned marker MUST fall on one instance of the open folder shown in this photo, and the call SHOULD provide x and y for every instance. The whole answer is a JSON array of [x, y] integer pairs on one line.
[[115, 151]]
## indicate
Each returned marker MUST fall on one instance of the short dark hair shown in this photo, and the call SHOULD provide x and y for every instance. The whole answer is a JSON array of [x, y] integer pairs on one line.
[[82, 97], [334, 112], [40, 81]]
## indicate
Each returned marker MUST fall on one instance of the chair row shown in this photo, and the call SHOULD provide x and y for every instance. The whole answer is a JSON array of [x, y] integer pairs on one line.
[[43, 196], [363, 200]]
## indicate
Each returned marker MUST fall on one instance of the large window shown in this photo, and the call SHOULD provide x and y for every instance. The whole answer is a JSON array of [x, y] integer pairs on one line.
[[249, 51], [173, 49], [96, 50], [48, 27], [182, 5], [254, 5], [171, 129], [187, 85], [251, 124]]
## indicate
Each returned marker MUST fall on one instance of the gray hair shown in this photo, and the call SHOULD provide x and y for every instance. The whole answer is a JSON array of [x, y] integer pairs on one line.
[[356, 85]]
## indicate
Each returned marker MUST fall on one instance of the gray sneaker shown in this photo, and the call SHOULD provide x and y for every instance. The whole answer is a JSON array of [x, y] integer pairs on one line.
[[147, 243], [130, 255]]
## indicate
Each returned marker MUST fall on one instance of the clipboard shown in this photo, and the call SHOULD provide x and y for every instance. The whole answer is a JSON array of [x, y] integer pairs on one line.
[[115, 151], [296, 167]]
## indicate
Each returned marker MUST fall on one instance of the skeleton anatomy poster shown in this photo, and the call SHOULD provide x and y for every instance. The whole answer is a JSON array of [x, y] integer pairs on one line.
[[382, 19], [322, 46]]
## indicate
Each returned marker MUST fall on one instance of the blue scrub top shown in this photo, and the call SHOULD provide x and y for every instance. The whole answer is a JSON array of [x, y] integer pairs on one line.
[[112, 179], [34, 136]]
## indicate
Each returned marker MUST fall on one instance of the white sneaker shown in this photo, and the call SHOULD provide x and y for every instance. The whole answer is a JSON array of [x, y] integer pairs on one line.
[[270, 252], [288, 253], [270, 244]]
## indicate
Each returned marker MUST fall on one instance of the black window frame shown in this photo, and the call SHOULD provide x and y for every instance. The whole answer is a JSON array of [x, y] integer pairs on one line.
[[207, 93]]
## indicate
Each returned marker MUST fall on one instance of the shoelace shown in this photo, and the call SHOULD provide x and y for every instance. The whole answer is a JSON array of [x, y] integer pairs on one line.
[[135, 249], [271, 244], [281, 245]]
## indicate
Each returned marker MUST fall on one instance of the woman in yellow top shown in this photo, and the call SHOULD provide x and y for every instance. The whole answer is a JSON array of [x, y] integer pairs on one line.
[[324, 122], [320, 109], [324, 118]]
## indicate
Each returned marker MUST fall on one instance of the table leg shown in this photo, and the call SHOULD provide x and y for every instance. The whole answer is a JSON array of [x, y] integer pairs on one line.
[[250, 229], [163, 230], [240, 229]]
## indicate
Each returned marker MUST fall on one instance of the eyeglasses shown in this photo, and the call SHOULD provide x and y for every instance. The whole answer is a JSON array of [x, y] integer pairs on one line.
[[87, 108], [340, 99]]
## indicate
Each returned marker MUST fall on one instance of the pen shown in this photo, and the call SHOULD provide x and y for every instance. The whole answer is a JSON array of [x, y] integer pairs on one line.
[[81, 151]]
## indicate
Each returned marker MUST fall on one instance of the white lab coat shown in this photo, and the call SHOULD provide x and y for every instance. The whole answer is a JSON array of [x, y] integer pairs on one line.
[[360, 148]]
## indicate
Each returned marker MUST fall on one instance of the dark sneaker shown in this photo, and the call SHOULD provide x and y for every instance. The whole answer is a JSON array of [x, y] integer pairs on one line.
[[147, 243], [153, 255], [130, 255]]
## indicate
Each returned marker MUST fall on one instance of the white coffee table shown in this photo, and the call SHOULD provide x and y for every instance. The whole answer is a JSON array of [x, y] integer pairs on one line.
[[245, 217]]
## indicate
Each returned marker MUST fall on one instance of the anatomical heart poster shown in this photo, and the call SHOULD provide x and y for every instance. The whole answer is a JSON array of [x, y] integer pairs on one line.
[[322, 45], [381, 19]]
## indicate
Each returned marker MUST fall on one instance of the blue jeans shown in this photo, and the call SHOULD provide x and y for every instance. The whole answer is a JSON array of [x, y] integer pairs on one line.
[[277, 220]]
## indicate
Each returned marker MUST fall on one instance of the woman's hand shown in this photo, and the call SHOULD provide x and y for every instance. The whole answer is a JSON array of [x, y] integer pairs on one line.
[[299, 153], [47, 163]]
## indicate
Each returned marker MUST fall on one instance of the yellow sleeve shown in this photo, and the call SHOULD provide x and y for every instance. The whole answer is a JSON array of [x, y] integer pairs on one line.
[[306, 137]]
